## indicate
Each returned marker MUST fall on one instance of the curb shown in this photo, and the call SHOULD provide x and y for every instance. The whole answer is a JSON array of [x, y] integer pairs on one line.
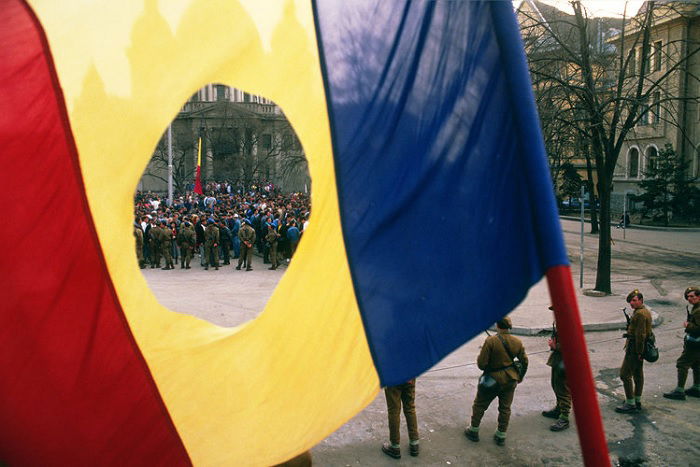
[[640, 227], [656, 320]]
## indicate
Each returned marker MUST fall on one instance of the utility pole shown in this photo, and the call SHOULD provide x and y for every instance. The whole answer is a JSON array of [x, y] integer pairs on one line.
[[581, 254]]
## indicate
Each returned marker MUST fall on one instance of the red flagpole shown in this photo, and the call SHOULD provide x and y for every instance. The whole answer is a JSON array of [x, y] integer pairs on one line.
[[578, 368]]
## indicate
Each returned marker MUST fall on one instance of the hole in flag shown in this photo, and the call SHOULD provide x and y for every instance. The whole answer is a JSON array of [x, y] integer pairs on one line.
[[227, 172]]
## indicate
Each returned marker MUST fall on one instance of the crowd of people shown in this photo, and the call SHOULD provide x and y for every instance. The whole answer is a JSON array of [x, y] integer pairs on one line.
[[224, 224], [504, 362]]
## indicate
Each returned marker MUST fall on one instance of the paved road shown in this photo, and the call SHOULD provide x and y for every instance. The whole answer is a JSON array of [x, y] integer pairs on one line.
[[665, 434]]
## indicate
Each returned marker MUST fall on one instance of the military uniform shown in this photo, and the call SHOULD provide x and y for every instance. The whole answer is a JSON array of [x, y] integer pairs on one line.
[[186, 240], [211, 246], [166, 244], [247, 237], [690, 358], [494, 360], [271, 239], [155, 246], [632, 369], [560, 388], [396, 397], [138, 235]]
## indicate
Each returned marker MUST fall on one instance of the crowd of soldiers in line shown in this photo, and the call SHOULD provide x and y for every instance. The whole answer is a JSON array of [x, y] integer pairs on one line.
[[219, 226], [504, 363]]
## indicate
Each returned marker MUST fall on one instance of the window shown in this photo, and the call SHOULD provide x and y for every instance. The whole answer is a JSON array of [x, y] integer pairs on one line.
[[246, 97], [266, 142], [220, 92], [651, 158], [657, 56], [656, 107], [633, 163], [633, 62], [644, 109]]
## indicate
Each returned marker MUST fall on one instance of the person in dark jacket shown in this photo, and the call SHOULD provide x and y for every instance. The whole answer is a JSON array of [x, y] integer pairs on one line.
[[690, 358]]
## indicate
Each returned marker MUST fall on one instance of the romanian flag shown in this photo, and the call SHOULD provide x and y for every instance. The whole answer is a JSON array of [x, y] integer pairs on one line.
[[198, 175], [433, 215]]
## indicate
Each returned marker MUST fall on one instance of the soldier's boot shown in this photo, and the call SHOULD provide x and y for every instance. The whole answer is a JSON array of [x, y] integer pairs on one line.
[[499, 438], [472, 435], [694, 391], [677, 394], [554, 413], [238, 268], [206, 268], [391, 451], [560, 425], [414, 448], [626, 408], [182, 266]]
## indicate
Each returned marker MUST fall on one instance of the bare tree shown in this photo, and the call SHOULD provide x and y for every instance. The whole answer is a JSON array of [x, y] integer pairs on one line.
[[605, 88], [183, 173]]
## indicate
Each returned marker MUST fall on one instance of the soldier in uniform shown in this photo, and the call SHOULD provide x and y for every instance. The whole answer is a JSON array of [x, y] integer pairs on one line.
[[495, 359], [225, 244], [690, 358], [154, 238], [632, 370], [166, 245], [558, 380], [403, 394], [247, 237], [211, 245], [138, 235], [186, 240], [271, 239]]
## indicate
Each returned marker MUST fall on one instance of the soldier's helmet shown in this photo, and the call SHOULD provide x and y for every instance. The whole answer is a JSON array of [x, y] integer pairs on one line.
[[691, 289], [634, 293]]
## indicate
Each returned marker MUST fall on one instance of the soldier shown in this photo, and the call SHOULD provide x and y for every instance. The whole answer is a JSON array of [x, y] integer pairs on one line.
[[558, 380], [497, 360], [247, 237], [632, 370], [271, 239], [690, 358], [211, 245], [225, 237], [403, 394], [187, 240], [138, 235], [154, 238], [166, 245]]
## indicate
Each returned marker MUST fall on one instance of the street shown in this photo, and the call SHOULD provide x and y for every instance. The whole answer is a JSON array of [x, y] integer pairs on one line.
[[665, 433]]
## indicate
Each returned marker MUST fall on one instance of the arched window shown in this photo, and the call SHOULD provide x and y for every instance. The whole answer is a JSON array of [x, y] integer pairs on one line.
[[633, 163], [652, 155]]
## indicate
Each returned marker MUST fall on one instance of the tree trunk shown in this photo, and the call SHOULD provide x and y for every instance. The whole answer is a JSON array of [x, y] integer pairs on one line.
[[602, 280], [591, 195]]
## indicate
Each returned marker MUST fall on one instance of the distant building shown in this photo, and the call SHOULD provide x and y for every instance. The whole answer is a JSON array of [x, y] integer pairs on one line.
[[246, 139], [675, 35]]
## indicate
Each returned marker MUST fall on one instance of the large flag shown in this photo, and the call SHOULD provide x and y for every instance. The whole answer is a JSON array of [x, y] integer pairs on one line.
[[198, 170], [433, 215]]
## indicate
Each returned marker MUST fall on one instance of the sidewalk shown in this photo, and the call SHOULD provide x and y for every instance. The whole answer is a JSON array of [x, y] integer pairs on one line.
[[659, 228], [533, 317]]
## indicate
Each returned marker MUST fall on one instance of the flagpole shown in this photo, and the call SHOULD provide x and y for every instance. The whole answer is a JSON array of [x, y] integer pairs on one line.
[[170, 165], [579, 377]]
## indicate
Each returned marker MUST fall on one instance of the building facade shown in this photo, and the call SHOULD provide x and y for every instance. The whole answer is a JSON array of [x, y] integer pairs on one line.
[[245, 139]]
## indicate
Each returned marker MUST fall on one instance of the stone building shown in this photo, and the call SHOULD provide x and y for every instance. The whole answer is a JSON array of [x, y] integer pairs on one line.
[[246, 139], [675, 106]]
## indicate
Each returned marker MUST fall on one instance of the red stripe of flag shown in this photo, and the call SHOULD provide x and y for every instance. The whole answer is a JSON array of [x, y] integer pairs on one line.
[[75, 389]]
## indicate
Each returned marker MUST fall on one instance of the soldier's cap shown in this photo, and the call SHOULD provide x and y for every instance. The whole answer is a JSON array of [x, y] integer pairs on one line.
[[211, 220], [634, 293], [691, 289], [504, 323]]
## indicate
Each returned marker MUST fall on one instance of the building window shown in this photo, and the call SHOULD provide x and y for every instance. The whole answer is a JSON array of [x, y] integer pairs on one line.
[[246, 97], [651, 158], [266, 142], [656, 107], [633, 163], [657, 56], [633, 62], [220, 92], [644, 109]]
